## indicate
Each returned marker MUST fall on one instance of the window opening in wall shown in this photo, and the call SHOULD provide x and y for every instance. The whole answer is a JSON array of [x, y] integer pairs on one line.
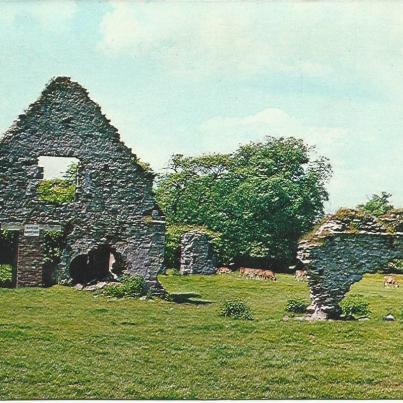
[[60, 179]]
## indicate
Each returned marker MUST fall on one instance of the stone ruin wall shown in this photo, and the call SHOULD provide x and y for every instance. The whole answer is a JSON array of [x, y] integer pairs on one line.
[[197, 255], [114, 204], [345, 247]]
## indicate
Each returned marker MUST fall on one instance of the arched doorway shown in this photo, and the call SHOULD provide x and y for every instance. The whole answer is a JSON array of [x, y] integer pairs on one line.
[[102, 263]]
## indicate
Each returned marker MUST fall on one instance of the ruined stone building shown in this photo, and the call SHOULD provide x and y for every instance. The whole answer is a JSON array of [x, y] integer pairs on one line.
[[197, 254], [114, 212], [346, 246]]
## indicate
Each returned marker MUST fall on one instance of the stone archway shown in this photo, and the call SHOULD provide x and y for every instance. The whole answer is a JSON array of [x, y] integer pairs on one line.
[[346, 246], [100, 263]]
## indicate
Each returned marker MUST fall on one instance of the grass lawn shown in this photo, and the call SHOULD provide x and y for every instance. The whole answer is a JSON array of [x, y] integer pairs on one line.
[[60, 343]]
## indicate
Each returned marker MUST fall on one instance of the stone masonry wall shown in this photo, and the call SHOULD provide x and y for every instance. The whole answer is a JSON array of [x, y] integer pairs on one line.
[[114, 203], [344, 248], [197, 256]]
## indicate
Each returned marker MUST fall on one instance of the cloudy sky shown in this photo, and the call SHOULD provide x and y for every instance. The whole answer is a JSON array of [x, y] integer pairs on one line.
[[204, 76]]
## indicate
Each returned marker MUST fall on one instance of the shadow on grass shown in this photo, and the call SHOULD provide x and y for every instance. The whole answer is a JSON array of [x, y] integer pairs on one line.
[[187, 298]]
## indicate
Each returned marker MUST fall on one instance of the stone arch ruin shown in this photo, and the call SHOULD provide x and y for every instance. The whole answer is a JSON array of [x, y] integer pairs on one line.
[[114, 203], [345, 247]]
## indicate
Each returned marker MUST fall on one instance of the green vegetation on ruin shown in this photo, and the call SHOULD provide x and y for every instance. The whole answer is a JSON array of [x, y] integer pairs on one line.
[[389, 223], [60, 343], [56, 191], [59, 190]]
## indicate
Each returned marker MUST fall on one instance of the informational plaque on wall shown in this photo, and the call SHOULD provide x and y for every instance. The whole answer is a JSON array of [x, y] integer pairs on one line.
[[31, 230]]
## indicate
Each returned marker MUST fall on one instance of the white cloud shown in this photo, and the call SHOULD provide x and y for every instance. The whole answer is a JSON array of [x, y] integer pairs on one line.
[[228, 132], [307, 38], [53, 15], [198, 37]]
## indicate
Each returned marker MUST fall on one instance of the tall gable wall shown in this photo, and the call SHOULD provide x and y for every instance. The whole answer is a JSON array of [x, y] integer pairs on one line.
[[114, 201]]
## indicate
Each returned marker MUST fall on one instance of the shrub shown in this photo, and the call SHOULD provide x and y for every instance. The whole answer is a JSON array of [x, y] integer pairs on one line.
[[377, 205], [6, 275], [114, 291], [130, 286], [395, 266], [296, 305], [355, 305], [236, 309]]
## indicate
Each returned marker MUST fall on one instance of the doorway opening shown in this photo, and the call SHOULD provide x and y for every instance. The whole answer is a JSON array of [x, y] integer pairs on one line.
[[8, 259], [100, 264]]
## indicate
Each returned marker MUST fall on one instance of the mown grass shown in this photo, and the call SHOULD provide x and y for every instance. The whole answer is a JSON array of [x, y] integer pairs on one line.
[[60, 343]]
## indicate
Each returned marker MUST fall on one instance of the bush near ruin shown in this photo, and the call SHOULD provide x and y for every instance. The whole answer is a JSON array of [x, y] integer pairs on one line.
[[59, 191], [236, 309], [6, 275], [355, 306], [130, 286], [296, 305]]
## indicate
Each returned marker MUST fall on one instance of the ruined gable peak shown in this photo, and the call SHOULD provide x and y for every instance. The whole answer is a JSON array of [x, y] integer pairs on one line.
[[64, 83], [63, 102]]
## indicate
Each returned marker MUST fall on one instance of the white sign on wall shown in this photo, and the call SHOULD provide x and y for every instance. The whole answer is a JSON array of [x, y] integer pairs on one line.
[[31, 230], [11, 226], [55, 228]]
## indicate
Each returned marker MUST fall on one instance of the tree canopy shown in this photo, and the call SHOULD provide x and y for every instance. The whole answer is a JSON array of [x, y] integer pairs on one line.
[[260, 199]]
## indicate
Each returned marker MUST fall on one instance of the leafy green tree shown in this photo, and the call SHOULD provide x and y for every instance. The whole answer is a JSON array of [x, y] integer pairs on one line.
[[260, 198], [71, 173], [377, 204]]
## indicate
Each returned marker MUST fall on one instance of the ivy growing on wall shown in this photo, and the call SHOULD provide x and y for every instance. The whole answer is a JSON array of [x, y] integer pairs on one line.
[[53, 247], [8, 236]]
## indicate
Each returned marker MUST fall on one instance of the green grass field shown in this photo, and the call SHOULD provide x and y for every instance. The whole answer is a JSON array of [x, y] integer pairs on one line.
[[60, 343]]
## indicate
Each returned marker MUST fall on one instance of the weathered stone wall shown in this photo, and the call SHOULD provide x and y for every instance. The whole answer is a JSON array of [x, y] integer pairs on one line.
[[197, 256], [29, 259], [344, 248], [114, 202]]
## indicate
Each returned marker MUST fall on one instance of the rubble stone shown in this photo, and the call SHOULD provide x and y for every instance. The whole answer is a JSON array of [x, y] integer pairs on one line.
[[197, 256]]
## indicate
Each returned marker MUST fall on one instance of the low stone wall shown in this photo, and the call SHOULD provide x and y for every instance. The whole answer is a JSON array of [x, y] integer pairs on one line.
[[345, 247], [197, 256]]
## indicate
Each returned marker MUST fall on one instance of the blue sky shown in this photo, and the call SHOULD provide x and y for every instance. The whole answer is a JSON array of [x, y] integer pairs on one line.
[[205, 76]]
